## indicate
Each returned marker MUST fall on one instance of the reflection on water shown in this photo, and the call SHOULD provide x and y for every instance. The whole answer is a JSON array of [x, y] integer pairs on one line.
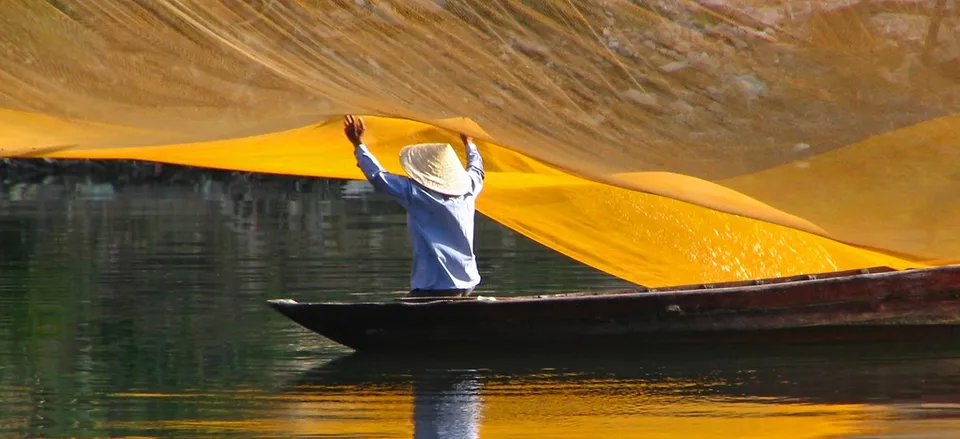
[[785, 392], [447, 407], [139, 311]]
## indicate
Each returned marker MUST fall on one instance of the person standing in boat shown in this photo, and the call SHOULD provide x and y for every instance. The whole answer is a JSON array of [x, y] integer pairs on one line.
[[440, 197]]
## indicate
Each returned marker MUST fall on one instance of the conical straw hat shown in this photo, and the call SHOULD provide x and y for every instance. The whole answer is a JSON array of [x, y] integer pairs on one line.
[[436, 167]]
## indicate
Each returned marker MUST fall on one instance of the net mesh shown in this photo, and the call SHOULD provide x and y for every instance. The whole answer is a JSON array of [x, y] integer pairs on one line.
[[661, 141]]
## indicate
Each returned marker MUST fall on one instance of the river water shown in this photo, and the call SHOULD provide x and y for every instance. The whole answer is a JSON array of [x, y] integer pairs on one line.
[[138, 311]]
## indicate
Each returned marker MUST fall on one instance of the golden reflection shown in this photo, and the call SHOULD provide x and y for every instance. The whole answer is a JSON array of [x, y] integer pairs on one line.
[[809, 392], [462, 407]]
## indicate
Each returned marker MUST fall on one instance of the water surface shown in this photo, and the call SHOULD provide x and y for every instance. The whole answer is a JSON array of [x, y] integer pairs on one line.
[[138, 311]]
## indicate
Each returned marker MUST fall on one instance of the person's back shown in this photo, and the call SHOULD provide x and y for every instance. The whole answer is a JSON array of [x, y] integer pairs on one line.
[[440, 199], [441, 234]]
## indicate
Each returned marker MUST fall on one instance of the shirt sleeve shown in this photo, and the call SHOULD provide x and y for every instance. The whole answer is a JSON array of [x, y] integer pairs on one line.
[[475, 167], [396, 186]]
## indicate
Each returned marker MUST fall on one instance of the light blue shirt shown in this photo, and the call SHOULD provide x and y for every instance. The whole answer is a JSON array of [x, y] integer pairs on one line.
[[441, 226]]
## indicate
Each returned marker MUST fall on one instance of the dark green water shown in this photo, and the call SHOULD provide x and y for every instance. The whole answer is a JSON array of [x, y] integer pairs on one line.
[[138, 311]]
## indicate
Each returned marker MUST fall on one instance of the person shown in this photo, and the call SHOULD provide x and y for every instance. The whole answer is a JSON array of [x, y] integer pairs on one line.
[[440, 197]]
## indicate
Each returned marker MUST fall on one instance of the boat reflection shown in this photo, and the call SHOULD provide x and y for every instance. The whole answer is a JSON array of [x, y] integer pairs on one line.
[[780, 391]]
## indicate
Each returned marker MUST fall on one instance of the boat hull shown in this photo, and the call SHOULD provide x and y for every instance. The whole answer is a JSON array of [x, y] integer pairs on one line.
[[886, 305]]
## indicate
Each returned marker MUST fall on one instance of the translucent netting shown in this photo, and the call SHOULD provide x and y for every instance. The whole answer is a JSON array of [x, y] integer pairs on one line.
[[662, 141]]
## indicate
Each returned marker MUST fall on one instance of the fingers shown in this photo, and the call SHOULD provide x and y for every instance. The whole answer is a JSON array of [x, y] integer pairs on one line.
[[351, 120], [353, 127]]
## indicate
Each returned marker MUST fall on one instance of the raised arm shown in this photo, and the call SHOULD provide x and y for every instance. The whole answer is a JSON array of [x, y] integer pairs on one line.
[[474, 163], [394, 185]]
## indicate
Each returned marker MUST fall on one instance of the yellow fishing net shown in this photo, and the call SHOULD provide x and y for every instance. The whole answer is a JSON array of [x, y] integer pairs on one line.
[[665, 142]]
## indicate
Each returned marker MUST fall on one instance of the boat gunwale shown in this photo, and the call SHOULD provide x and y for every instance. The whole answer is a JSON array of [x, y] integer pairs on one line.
[[909, 273]]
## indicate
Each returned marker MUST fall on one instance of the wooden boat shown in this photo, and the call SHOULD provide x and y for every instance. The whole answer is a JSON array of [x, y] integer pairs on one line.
[[875, 304]]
